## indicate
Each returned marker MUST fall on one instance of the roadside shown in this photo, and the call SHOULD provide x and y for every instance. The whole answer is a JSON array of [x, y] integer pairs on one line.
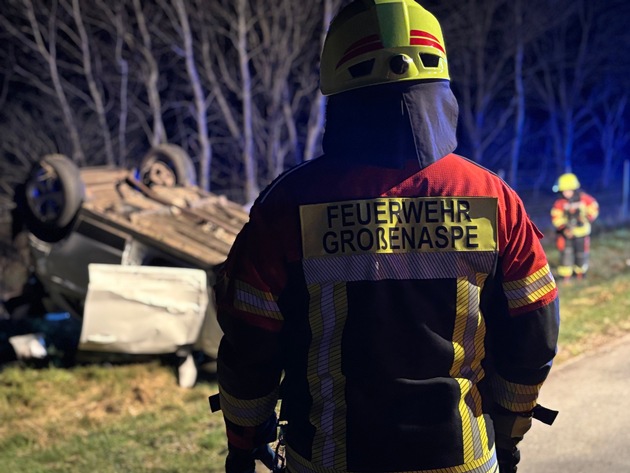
[[592, 393]]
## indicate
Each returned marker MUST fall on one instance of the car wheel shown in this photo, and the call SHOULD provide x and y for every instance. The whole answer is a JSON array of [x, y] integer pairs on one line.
[[167, 165], [52, 197]]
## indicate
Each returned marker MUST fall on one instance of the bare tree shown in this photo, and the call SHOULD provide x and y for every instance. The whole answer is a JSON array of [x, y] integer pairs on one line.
[[315, 125], [200, 107], [95, 93], [236, 82], [614, 133], [255, 48], [150, 73], [23, 138], [489, 44], [226, 64], [563, 80], [243, 25], [282, 39], [114, 21], [41, 39], [519, 94], [529, 25], [480, 57]]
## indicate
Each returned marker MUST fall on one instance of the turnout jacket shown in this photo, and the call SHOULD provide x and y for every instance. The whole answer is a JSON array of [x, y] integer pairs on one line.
[[575, 214], [397, 307]]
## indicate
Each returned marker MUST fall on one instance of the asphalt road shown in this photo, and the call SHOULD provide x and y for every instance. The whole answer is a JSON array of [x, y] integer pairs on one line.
[[592, 432]]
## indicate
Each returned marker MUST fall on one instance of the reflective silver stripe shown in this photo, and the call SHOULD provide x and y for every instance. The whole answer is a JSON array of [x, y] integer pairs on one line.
[[323, 366], [252, 299], [531, 288], [379, 266], [327, 315], [513, 396], [255, 301], [248, 412]]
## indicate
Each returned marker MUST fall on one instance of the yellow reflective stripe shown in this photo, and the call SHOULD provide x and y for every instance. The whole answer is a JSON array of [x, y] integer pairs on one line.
[[247, 412], [509, 286], [327, 316], [565, 271], [461, 316], [480, 420], [580, 269], [480, 348], [468, 335], [533, 297], [592, 211], [513, 396], [558, 217], [530, 289], [582, 231], [252, 300], [486, 464], [467, 432]]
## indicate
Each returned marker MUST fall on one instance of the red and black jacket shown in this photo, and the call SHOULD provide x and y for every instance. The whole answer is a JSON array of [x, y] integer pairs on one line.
[[397, 306]]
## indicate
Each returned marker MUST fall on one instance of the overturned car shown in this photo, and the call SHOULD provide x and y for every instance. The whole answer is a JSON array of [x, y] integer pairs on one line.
[[132, 254]]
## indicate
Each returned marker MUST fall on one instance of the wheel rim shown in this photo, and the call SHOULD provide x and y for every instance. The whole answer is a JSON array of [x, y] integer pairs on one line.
[[161, 174], [45, 195]]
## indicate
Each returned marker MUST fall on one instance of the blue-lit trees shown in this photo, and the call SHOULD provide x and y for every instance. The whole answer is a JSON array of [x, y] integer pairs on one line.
[[235, 82]]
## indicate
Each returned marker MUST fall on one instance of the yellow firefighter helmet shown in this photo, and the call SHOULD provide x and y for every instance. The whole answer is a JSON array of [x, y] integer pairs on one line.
[[567, 182], [380, 41]]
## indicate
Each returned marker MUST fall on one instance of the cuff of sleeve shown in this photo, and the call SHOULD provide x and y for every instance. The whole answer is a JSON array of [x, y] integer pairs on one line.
[[247, 439], [510, 428]]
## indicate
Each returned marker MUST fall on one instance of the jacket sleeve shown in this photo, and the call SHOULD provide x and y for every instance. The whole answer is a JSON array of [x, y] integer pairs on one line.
[[558, 215], [522, 313], [591, 207], [249, 367]]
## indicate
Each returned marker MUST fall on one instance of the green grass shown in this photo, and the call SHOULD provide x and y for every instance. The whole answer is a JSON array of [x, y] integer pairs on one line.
[[131, 418], [134, 418], [596, 310]]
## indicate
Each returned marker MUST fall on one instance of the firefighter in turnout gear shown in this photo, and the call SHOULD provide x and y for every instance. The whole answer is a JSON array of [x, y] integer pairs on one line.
[[572, 215], [395, 296]]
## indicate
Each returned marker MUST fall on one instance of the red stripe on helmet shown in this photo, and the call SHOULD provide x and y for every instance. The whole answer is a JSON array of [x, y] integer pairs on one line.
[[426, 42], [364, 45], [423, 34], [423, 38], [368, 39]]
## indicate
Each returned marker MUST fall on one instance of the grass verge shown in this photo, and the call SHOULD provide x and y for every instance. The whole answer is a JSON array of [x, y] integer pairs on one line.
[[129, 418], [596, 310]]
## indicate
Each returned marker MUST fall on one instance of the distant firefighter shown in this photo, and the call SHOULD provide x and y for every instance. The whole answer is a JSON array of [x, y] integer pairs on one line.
[[572, 215]]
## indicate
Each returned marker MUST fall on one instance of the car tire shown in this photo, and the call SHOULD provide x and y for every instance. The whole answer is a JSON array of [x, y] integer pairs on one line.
[[167, 165], [51, 197]]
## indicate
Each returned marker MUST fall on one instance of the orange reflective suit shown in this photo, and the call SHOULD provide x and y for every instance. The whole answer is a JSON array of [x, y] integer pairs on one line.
[[572, 219]]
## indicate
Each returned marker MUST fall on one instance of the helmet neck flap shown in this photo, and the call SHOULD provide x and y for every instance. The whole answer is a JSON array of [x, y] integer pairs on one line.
[[387, 125]]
